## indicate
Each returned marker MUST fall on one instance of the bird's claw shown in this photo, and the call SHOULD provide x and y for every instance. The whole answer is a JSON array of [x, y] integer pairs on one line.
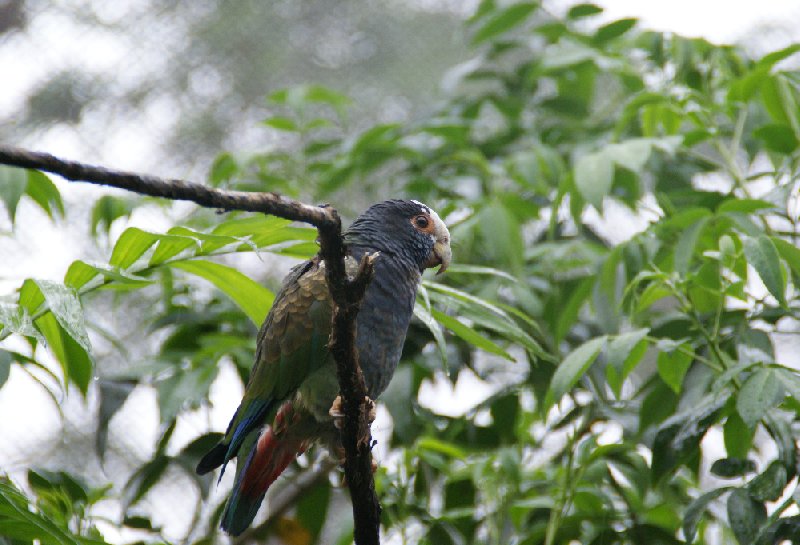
[[372, 411], [337, 411]]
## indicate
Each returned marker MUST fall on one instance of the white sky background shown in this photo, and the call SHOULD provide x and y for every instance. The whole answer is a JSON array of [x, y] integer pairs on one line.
[[720, 21], [50, 249]]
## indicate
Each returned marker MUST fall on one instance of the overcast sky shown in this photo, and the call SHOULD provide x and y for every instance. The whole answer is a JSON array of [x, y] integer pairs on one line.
[[717, 20]]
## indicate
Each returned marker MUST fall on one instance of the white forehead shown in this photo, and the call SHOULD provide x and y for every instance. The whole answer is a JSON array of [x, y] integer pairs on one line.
[[424, 208]]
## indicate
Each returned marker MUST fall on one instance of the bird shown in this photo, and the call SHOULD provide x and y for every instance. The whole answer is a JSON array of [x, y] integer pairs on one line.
[[288, 401]]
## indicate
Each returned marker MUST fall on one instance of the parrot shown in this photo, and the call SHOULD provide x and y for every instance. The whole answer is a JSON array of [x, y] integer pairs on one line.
[[289, 399]]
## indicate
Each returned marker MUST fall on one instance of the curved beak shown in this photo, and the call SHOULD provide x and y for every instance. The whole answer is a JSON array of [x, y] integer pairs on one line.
[[441, 253]]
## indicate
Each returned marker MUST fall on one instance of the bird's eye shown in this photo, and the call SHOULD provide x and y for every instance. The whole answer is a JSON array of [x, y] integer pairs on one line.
[[421, 222]]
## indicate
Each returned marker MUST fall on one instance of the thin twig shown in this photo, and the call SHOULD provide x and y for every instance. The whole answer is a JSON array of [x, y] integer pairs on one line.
[[346, 294]]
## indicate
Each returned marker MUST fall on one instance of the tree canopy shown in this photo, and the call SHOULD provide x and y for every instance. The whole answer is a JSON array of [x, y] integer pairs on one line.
[[624, 213]]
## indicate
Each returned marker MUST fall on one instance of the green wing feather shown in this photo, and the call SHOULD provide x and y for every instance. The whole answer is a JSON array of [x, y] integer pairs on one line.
[[293, 340], [292, 343]]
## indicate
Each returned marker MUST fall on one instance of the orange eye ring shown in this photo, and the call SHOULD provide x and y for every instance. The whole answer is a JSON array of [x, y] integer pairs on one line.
[[421, 222]]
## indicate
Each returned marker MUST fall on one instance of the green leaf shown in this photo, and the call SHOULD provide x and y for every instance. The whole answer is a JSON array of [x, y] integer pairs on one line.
[[678, 437], [574, 366], [63, 328], [469, 335], [422, 310], [504, 20], [738, 436], [771, 59], [696, 509], [594, 174], [17, 319], [745, 515], [685, 249], [130, 246], [64, 304], [484, 313], [300, 96], [481, 271], [13, 182], [43, 482], [783, 435], [743, 89], [777, 138], [107, 209], [769, 485], [762, 255], [790, 380], [172, 244], [614, 29], [579, 11], [672, 367], [44, 192], [442, 447], [728, 468], [5, 366], [281, 124], [81, 273], [624, 353], [568, 53], [745, 206], [20, 522], [788, 252], [631, 154], [253, 298], [113, 394], [502, 236], [224, 168], [74, 359], [762, 391], [569, 311], [778, 96], [312, 509]]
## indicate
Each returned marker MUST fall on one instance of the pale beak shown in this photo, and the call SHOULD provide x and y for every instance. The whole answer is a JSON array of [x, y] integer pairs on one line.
[[441, 253]]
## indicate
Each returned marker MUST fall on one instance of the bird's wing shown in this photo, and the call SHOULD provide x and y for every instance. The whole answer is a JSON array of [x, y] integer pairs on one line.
[[293, 340], [292, 343]]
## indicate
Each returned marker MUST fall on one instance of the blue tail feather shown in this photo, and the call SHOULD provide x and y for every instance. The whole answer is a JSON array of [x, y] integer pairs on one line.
[[240, 510]]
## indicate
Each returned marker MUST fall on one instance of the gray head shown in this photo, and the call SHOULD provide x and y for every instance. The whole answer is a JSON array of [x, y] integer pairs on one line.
[[405, 229]]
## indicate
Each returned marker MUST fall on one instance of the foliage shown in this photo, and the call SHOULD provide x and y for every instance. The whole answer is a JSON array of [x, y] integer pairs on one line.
[[617, 354]]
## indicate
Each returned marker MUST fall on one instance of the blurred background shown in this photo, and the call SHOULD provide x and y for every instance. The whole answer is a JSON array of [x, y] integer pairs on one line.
[[164, 88]]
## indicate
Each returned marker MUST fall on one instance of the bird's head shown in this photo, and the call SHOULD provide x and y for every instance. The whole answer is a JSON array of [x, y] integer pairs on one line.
[[406, 229]]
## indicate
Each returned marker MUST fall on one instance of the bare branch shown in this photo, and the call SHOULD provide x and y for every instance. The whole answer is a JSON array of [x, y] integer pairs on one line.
[[347, 296], [181, 190]]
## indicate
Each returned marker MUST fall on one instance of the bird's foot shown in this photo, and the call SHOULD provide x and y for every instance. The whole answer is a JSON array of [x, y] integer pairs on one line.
[[337, 411], [372, 410]]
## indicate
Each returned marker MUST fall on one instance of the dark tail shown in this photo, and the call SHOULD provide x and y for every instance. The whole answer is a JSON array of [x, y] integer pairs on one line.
[[268, 458]]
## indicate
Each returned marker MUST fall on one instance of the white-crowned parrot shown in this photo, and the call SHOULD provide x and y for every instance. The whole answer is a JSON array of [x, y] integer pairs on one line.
[[288, 399]]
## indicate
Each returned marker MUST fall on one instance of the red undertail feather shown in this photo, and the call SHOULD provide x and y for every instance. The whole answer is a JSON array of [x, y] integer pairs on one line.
[[272, 454]]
